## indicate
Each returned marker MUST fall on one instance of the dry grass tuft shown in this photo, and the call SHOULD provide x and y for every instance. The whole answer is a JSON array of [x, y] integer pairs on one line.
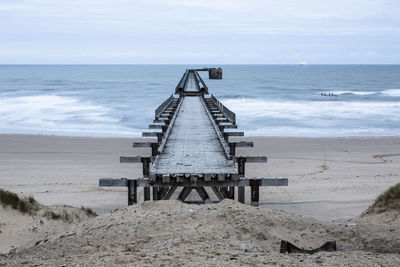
[[388, 200], [30, 206], [25, 205]]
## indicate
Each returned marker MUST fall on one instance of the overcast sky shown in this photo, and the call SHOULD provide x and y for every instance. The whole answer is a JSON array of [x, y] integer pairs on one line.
[[206, 31]]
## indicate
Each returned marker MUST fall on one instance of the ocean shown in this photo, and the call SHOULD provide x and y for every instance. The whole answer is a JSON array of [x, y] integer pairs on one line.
[[269, 100]]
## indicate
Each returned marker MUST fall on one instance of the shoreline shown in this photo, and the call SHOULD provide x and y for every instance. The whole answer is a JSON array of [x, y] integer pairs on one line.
[[330, 178], [246, 136]]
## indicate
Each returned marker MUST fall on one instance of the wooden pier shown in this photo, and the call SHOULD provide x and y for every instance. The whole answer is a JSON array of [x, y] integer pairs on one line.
[[192, 150]]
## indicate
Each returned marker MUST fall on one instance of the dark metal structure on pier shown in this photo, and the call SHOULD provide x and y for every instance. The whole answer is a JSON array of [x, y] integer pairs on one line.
[[191, 150], [213, 73]]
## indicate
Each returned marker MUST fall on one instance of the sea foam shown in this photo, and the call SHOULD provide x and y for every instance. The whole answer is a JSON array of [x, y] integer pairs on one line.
[[316, 118], [392, 92], [53, 114], [301, 109]]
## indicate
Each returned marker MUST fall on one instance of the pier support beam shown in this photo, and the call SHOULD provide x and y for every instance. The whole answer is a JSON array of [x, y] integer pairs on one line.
[[228, 191], [241, 170], [132, 192], [241, 194], [159, 192], [170, 192], [255, 191], [184, 193], [222, 190], [146, 193], [203, 194], [146, 172]]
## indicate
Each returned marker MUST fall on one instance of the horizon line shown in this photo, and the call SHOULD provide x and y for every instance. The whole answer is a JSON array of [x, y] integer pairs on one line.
[[287, 64]]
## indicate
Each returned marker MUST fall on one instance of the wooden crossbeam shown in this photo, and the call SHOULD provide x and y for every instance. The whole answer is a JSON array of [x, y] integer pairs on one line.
[[224, 125], [164, 115], [143, 144], [153, 145], [184, 193], [253, 159], [145, 182], [157, 126], [158, 120], [170, 192], [153, 134], [150, 134], [221, 119], [228, 191], [234, 145], [203, 194], [130, 159], [233, 133], [243, 144], [218, 193], [113, 182]]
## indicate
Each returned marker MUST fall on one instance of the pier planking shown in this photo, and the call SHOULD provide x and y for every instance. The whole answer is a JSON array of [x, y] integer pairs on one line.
[[193, 146]]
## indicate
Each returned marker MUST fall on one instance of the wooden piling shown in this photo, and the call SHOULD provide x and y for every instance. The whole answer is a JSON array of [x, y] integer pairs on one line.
[[231, 192], [132, 192], [241, 170], [241, 196], [255, 191], [146, 171], [232, 148], [146, 193]]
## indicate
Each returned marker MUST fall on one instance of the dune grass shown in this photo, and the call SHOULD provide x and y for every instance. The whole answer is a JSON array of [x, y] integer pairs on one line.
[[67, 216], [89, 212], [30, 206], [388, 200], [25, 205]]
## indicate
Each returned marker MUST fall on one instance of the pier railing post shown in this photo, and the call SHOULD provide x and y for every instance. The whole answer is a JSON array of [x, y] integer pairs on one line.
[[154, 149], [232, 148]]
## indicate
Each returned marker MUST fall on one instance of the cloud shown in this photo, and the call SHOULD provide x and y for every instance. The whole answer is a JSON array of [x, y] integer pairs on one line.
[[229, 29]]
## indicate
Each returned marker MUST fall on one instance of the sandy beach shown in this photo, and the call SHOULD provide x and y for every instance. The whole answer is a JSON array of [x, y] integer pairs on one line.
[[332, 181], [329, 178]]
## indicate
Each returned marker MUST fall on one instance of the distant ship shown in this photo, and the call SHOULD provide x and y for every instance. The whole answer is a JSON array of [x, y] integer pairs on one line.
[[303, 63]]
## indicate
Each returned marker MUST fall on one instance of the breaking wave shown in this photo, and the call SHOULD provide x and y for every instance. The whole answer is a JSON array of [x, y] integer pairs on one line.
[[52, 114]]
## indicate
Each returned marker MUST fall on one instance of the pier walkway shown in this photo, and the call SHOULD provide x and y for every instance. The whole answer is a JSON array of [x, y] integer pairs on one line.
[[192, 150], [193, 146]]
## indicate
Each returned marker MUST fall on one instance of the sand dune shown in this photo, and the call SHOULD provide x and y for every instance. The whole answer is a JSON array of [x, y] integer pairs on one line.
[[170, 233], [19, 230]]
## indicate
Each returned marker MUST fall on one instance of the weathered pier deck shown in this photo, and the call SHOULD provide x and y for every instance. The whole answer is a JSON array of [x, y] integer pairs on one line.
[[193, 150]]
